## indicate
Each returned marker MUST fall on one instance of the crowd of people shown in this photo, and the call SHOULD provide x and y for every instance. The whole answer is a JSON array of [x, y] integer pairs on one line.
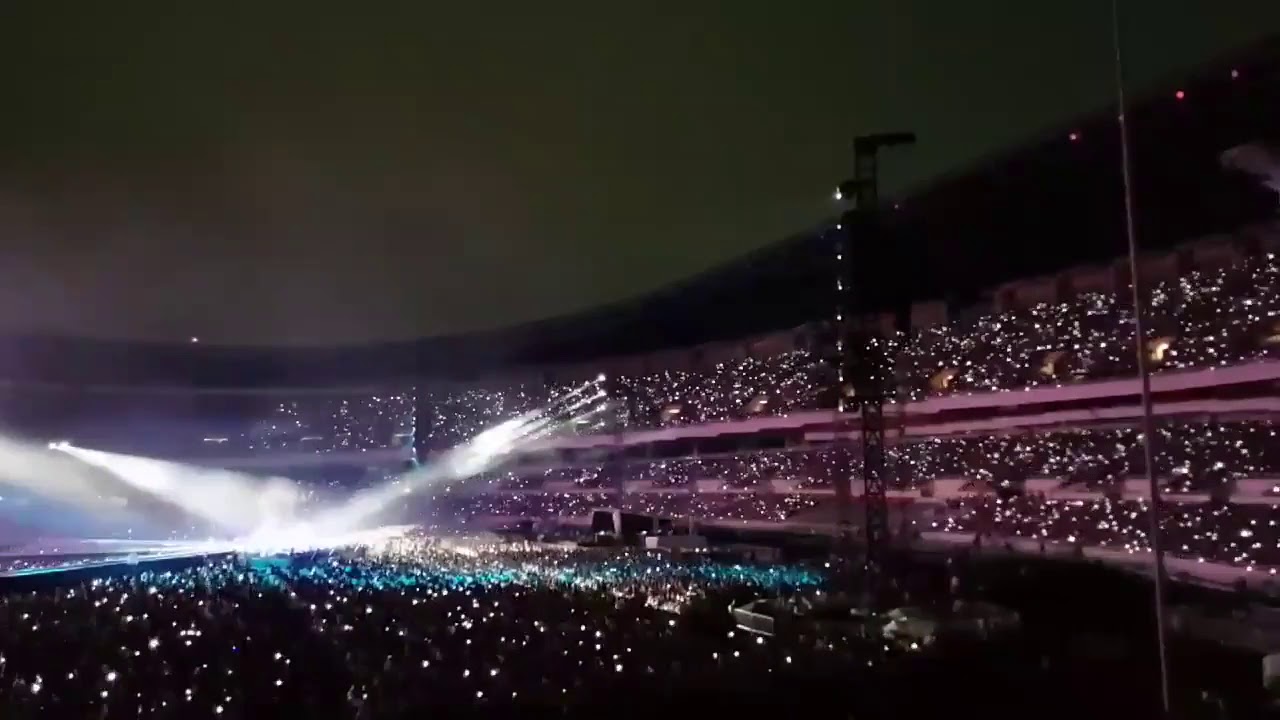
[[1242, 535], [429, 625], [1193, 456], [462, 627], [1245, 536], [747, 506], [1201, 464], [1204, 319], [473, 626], [422, 625]]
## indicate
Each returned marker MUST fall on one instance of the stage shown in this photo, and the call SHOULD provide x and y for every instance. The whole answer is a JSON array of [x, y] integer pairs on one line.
[[49, 563]]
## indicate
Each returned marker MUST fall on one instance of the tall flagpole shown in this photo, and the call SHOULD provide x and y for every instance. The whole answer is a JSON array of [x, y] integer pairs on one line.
[[1144, 371]]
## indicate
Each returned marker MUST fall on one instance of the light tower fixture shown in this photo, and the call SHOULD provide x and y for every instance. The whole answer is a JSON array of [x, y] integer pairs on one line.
[[861, 378]]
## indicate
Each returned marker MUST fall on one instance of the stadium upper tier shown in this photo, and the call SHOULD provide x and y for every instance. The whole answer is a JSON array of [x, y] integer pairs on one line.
[[1203, 319]]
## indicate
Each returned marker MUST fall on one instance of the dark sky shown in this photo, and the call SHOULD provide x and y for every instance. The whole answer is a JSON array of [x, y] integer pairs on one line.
[[264, 173]]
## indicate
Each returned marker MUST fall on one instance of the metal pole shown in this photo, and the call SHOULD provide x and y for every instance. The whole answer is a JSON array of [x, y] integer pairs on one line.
[[843, 471], [1144, 371]]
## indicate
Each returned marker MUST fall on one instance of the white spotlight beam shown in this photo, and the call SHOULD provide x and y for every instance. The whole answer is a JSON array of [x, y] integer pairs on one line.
[[484, 452], [235, 502]]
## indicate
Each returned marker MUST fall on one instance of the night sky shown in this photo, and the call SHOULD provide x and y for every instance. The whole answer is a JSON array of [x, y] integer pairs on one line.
[[263, 174]]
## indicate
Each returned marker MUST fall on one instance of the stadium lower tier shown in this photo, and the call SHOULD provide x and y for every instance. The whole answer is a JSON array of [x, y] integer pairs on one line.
[[1243, 535]]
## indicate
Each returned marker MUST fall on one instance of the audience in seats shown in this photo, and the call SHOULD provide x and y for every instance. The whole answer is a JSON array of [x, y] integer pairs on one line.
[[1242, 535], [1199, 464], [1205, 319]]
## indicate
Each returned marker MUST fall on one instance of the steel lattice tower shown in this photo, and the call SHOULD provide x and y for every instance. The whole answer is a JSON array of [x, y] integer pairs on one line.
[[865, 367]]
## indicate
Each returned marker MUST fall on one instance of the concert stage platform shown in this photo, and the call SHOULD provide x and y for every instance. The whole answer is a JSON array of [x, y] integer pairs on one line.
[[48, 564]]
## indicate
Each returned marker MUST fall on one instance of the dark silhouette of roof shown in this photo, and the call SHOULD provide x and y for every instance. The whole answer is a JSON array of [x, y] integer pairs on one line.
[[1050, 204]]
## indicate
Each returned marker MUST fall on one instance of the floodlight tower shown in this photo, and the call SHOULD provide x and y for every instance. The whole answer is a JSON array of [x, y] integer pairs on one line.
[[864, 377]]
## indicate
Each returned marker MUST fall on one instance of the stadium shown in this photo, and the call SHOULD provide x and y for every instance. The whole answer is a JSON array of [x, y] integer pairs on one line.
[[1014, 429]]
